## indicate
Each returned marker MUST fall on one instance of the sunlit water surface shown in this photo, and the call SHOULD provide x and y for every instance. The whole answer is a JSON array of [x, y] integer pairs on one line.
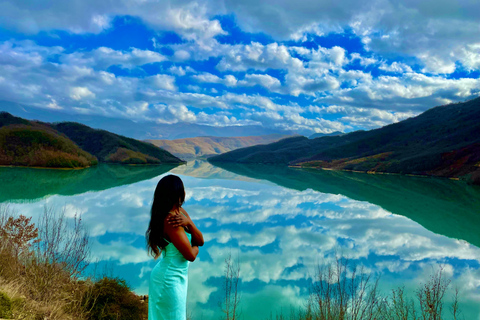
[[279, 223]]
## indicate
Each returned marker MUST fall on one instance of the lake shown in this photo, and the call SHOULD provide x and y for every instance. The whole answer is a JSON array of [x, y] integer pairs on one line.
[[279, 224]]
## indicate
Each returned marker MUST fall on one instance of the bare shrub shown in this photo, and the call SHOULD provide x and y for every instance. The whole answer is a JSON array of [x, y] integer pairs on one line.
[[400, 306], [60, 254], [430, 296], [342, 291], [231, 300]]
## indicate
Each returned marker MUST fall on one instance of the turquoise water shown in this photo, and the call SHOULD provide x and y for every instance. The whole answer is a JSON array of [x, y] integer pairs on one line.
[[279, 223]]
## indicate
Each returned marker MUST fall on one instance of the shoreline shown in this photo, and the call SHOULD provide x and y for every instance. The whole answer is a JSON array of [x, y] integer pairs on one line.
[[81, 168], [47, 168], [378, 172]]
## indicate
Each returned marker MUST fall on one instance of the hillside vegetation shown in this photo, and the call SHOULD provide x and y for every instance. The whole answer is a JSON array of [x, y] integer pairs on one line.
[[42, 273], [25, 143], [443, 141], [113, 148], [204, 147], [71, 145]]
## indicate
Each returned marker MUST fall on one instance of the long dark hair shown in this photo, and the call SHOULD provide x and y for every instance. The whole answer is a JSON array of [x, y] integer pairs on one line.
[[169, 192]]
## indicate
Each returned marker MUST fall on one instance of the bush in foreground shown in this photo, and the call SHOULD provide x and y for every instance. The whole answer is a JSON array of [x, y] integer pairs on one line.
[[111, 299], [5, 306], [41, 273]]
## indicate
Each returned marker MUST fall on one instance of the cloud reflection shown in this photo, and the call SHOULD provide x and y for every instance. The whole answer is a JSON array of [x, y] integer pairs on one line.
[[279, 235]]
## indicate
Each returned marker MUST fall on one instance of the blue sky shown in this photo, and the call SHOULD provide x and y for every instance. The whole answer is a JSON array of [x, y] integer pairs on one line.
[[303, 66]]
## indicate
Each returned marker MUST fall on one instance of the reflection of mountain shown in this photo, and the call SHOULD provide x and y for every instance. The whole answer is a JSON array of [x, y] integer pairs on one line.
[[205, 170], [31, 184], [442, 206]]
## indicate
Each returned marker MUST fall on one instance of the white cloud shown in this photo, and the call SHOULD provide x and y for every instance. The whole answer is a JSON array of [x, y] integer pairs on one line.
[[181, 71], [174, 114], [103, 57], [257, 56], [161, 81], [434, 32], [470, 56], [337, 55], [190, 19], [364, 61], [263, 80], [397, 67], [181, 55], [80, 82], [299, 84], [79, 93], [436, 64], [228, 80]]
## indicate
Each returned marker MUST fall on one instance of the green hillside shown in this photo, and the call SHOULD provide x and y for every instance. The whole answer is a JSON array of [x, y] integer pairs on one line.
[[443, 141], [27, 143], [113, 148]]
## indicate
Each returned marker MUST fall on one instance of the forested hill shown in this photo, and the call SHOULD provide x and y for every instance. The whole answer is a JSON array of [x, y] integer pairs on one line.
[[204, 147], [110, 147], [29, 143], [443, 141], [69, 145]]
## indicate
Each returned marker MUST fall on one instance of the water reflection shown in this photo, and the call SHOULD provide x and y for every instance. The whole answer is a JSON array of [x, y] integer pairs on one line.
[[280, 231], [26, 184], [443, 206]]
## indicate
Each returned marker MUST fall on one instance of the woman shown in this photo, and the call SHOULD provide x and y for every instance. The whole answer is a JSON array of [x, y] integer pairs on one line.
[[172, 234]]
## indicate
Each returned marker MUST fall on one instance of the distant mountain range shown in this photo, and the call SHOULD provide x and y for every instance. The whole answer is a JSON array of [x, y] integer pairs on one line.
[[70, 144], [318, 135], [204, 147], [443, 141]]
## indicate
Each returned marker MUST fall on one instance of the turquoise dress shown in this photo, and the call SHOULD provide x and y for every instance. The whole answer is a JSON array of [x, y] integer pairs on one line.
[[167, 294]]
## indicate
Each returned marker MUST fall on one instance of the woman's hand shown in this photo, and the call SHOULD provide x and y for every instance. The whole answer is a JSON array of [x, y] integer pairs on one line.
[[182, 219], [179, 220]]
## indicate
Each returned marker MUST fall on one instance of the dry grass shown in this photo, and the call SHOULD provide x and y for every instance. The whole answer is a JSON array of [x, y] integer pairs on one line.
[[39, 267]]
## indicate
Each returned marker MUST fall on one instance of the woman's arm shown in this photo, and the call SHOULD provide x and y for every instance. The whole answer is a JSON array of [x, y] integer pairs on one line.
[[183, 220], [180, 241]]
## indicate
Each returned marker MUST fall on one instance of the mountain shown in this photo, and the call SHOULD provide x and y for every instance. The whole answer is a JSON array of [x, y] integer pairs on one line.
[[28, 143], [191, 148], [443, 141], [110, 147], [318, 135], [69, 144]]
